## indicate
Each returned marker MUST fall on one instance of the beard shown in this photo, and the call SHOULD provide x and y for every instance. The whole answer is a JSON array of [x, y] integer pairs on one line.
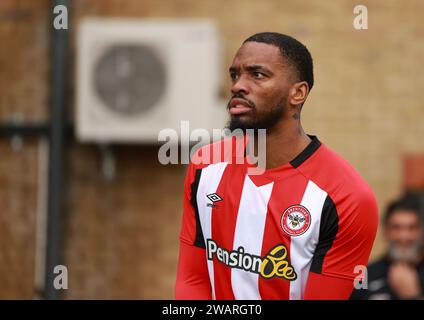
[[408, 255], [265, 120]]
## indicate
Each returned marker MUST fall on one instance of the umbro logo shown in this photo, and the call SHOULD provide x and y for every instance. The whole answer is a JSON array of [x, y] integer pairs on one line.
[[214, 197]]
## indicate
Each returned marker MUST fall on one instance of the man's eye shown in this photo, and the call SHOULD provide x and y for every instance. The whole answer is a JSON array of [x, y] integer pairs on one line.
[[233, 76], [258, 75]]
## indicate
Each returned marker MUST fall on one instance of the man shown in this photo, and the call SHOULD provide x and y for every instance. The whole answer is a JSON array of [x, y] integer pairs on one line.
[[399, 274], [297, 230]]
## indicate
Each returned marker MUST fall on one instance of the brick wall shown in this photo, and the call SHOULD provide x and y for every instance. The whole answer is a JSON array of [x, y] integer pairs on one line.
[[23, 97], [18, 203], [121, 237]]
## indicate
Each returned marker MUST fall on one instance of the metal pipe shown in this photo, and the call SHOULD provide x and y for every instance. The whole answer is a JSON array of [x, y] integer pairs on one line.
[[54, 249], [36, 130], [41, 219]]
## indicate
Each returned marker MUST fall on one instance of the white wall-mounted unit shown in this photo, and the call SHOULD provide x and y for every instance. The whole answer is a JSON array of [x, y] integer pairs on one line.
[[137, 77]]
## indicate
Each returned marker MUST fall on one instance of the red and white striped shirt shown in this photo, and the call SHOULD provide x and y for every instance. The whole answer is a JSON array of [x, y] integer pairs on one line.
[[263, 236]]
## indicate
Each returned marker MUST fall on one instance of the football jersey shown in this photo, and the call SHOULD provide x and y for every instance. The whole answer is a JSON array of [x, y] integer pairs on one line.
[[263, 234]]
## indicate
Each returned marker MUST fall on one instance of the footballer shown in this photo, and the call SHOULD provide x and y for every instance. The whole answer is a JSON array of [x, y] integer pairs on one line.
[[296, 231]]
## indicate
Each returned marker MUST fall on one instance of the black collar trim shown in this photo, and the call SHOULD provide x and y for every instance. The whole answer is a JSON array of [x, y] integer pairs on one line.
[[307, 152]]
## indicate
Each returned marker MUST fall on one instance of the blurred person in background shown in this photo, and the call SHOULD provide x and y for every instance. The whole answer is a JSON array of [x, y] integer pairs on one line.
[[399, 274]]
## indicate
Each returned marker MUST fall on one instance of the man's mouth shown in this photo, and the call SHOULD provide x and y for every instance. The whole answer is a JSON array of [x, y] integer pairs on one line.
[[239, 106]]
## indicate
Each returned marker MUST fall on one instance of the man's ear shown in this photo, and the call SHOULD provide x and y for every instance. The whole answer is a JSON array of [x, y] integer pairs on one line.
[[298, 93]]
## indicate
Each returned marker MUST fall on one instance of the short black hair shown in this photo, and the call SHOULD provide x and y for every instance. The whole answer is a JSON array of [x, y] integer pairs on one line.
[[408, 202], [294, 51]]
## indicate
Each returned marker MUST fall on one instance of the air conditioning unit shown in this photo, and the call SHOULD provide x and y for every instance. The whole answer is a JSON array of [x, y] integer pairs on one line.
[[137, 77]]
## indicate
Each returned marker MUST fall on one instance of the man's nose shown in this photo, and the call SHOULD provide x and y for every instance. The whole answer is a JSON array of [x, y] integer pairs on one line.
[[240, 85]]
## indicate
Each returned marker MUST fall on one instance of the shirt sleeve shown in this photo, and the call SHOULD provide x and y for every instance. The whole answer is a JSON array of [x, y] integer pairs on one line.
[[192, 274], [347, 233], [322, 287], [191, 231]]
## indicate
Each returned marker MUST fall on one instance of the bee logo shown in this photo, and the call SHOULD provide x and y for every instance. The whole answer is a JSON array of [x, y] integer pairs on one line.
[[295, 220]]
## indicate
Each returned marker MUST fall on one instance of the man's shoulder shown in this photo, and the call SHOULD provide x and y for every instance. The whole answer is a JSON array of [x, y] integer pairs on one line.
[[336, 176], [223, 151]]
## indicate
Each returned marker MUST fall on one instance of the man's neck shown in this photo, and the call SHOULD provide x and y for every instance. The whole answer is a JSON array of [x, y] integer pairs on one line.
[[284, 142]]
